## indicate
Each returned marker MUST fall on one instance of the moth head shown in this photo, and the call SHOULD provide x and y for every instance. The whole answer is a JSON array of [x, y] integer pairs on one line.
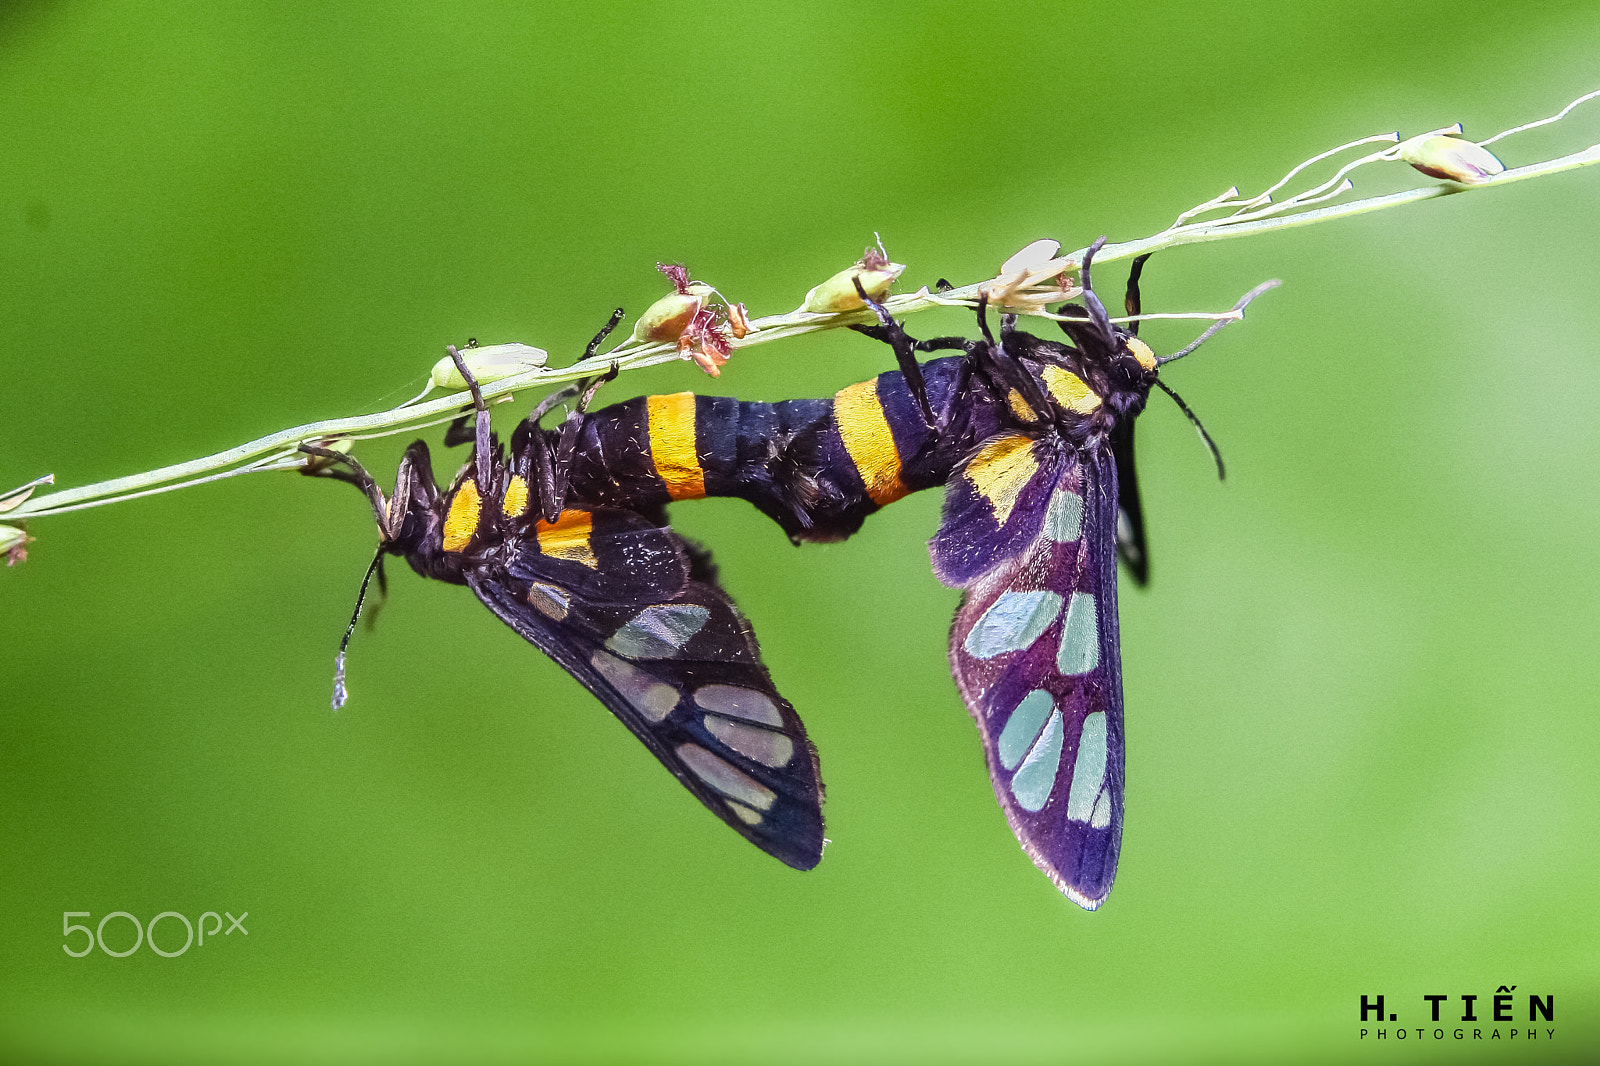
[[1110, 356]]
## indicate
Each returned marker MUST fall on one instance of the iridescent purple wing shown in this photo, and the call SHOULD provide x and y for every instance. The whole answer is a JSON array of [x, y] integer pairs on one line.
[[628, 608], [1034, 648]]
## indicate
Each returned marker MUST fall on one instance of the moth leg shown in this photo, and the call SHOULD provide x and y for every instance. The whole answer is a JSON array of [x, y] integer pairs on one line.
[[605, 331], [557, 494], [543, 472], [963, 372], [457, 433], [481, 444], [1001, 369], [1022, 380], [904, 352], [549, 469], [390, 512], [1097, 310], [1132, 300], [356, 474], [963, 384]]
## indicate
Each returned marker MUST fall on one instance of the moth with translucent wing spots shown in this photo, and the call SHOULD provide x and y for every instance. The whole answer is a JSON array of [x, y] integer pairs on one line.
[[1036, 513], [622, 603], [566, 540]]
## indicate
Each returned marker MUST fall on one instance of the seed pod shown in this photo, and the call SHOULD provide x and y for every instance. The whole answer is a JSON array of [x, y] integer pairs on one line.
[[1451, 158], [488, 364], [838, 293], [13, 544], [668, 317]]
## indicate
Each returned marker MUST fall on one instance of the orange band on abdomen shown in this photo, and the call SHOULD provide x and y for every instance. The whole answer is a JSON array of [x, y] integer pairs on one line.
[[672, 445]]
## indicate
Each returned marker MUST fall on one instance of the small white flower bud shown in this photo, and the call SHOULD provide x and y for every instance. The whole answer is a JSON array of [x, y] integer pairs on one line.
[[1033, 265], [1451, 158]]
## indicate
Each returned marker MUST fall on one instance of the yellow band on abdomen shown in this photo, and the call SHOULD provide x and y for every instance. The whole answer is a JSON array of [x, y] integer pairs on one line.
[[672, 445], [869, 441]]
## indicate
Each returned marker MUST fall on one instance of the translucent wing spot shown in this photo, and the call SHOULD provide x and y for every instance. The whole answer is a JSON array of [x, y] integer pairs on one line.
[[751, 741], [735, 702], [1064, 521], [746, 815], [1080, 636], [549, 600], [1022, 728], [1100, 817], [1013, 622], [1089, 772], [654, 699], [725, 778], [1037, 776], [659, 632]]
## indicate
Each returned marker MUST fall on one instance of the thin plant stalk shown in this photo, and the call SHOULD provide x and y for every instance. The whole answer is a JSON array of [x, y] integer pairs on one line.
[[1249, 216]]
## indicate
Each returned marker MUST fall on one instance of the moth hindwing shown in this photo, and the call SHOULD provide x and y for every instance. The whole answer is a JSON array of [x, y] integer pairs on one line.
[[636, 615]]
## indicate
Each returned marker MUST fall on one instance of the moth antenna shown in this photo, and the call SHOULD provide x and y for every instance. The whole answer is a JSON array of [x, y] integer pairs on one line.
[[1211, 330], [383, 596], [340, 692], [1211, 444]]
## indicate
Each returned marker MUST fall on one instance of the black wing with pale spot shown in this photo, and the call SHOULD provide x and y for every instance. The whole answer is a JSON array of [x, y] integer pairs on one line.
[[1034, 652], [640, 620]]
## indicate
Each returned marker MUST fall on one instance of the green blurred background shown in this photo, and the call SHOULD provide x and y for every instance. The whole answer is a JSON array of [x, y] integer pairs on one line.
[[1361, 689]]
